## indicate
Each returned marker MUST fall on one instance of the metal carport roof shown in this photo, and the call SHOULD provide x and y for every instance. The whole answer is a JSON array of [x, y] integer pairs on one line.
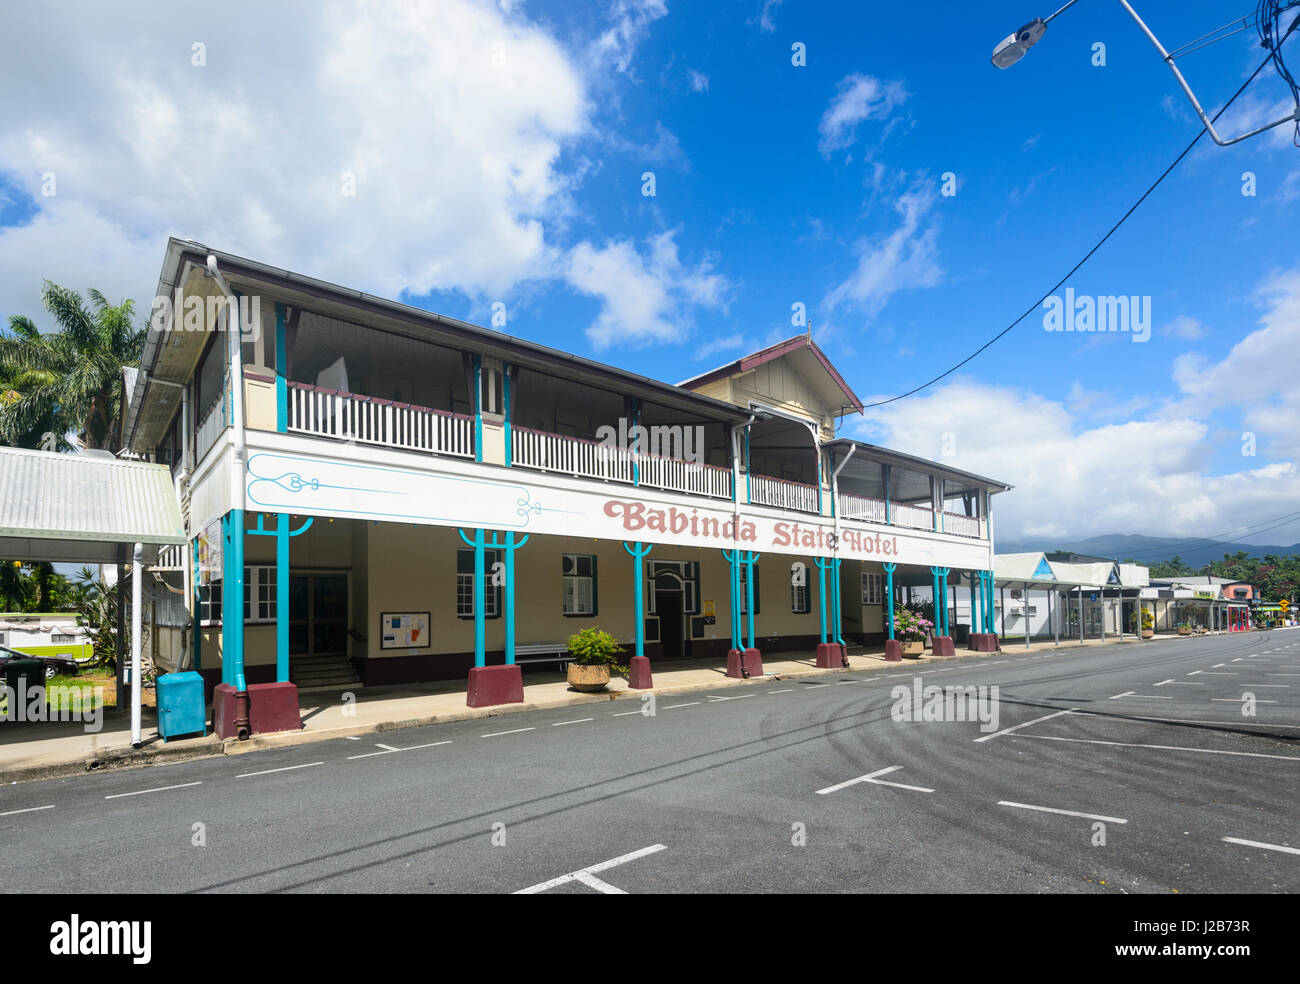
[[83, 508]]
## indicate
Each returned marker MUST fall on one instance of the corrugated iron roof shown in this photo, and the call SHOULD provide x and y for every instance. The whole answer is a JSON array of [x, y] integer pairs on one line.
[[46, 496]]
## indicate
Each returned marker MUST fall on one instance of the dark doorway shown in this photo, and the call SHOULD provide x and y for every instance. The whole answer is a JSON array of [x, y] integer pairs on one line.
[[318, 615], [669, 606]]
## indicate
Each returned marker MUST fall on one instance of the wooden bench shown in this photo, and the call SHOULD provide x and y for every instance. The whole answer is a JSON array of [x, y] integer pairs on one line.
[[544, 652]]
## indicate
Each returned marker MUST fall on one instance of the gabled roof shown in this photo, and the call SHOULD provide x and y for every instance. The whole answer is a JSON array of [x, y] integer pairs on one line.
[[804, 351], [82, 508]]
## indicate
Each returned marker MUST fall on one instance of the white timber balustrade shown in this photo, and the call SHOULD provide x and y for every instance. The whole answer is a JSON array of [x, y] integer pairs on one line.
[[210, 427], [961, 525], [862, 507], [782, 493], [915, 517], [590, 459], [370, 420]]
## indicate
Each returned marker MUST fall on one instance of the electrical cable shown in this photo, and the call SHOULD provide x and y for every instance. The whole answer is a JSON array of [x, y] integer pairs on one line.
[[1273, 56]]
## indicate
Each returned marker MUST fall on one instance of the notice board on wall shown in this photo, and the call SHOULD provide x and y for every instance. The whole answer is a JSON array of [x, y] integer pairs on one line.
[[403, 630]]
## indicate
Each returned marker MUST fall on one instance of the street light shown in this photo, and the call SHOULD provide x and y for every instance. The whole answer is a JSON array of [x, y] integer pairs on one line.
[[1013, 48]]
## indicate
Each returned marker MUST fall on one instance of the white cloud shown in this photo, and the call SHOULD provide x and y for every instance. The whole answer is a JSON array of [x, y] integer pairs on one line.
[[858, 98], [647, 298], [632, 20], [905, 259], [1078, 478], [1258, 374], [452, 119], [699, 81], [1186, 327], [765, 20]]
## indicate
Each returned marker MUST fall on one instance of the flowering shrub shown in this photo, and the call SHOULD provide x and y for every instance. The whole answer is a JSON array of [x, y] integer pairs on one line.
[[909, 626]]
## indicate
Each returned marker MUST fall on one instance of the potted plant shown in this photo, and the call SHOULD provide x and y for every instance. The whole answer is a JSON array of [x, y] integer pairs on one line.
[[594, 652], [911, 629], [1148, 623], [1184, 628]]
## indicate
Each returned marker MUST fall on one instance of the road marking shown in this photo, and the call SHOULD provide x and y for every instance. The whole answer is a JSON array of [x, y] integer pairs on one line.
[[387, 748], [412, 748], [1166, 748], [1283, 674], [1238, 700], [737, 697], [1163, 682], [623, 714], [352, 737], [786, 691], [287, 768], [1268, 847], [689, 703], [560, 724], [1067, 813], [1195, 672], [30, 809], [498, 734], [871, 778], [1137, 696], [1151, 717], [1219, 673], [587, 875], [1007, 731], [156, 789], [814, 686], [1187, 683]]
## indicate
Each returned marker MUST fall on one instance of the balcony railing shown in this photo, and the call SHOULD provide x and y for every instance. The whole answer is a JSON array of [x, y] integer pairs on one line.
[[862, 507], [914, 517], [783, 494], [370, 420], [590, 459], [962, 525], [210, 428]]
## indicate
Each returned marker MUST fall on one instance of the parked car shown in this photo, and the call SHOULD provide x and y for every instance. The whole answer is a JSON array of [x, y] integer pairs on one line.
[[54, 665]]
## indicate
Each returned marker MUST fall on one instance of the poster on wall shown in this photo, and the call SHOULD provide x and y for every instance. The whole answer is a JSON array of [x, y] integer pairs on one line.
[[211, 544], [403, 630]]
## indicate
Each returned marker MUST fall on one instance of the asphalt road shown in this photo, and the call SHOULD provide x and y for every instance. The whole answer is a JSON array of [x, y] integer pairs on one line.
[[1125, 769]]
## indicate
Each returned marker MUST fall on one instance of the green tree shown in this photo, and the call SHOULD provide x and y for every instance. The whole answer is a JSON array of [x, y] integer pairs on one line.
[[68, 379]]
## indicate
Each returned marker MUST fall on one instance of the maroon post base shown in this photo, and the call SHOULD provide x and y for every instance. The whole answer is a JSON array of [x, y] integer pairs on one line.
[[638, 673], [223, 711], [273, 707], [744, 663], [893, 651], [943, 646], [830, 655], [984, 642], [491, 685]]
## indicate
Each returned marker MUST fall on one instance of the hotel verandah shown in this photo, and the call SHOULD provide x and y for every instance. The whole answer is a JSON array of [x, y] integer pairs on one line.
[[348, 465]]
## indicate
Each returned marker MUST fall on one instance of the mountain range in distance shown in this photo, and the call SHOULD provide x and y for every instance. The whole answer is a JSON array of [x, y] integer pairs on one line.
[[1146, 550]]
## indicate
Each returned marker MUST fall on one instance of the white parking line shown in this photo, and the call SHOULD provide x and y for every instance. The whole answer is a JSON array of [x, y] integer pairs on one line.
[[871, 778], [689, 703], [814, 686], [1066, 813], [287, 768], [786, 691], [30, 809], [390, 751], [623, 714], [736, 697], [156, 789], [1007, 731], [560, 724], [1163, 682], [1237, 700], [498, 734], [1137, 696], [1268, 847], [387, 748], [1166, 748], [587, 875]]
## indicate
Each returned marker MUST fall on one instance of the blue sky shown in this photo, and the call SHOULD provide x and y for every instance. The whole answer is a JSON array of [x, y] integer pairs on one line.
[[499, 149]]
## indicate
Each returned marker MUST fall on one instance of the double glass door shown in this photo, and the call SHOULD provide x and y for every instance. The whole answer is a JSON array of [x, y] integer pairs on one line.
[[318, 614]]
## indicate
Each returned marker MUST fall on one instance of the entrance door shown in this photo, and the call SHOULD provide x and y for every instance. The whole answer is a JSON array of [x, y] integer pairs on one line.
[[318, 615], [670, 607]]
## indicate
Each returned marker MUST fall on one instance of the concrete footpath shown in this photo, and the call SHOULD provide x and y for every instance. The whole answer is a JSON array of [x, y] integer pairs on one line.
[[31, 751]]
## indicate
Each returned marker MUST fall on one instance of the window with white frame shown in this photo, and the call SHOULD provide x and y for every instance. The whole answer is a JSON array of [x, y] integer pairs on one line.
[[799, 603], [259, 597], [872, 593], [62, 639], [578, 574], [465, 592]]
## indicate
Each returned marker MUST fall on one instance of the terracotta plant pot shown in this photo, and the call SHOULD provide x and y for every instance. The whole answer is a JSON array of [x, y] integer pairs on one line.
[[1184, 631], [1148, 633], [913, 649], [588, 679]]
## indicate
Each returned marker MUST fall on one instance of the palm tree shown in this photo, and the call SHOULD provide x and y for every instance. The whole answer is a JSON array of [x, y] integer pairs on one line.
[[70, 377]]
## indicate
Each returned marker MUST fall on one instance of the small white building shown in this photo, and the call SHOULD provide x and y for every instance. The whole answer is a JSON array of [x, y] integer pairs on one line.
[[45, 634]]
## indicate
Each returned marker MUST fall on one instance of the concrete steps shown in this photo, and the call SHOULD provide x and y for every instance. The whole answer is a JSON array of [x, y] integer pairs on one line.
[[323, 672]]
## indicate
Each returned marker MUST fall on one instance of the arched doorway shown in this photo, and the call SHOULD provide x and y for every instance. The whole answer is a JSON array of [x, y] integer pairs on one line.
[[670, 607]]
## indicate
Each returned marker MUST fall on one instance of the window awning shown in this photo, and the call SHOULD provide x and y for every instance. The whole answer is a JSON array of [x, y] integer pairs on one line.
[[81, 508]]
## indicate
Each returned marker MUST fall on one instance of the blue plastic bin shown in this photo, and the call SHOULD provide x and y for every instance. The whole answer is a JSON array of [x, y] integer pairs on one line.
[[180, 705]]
